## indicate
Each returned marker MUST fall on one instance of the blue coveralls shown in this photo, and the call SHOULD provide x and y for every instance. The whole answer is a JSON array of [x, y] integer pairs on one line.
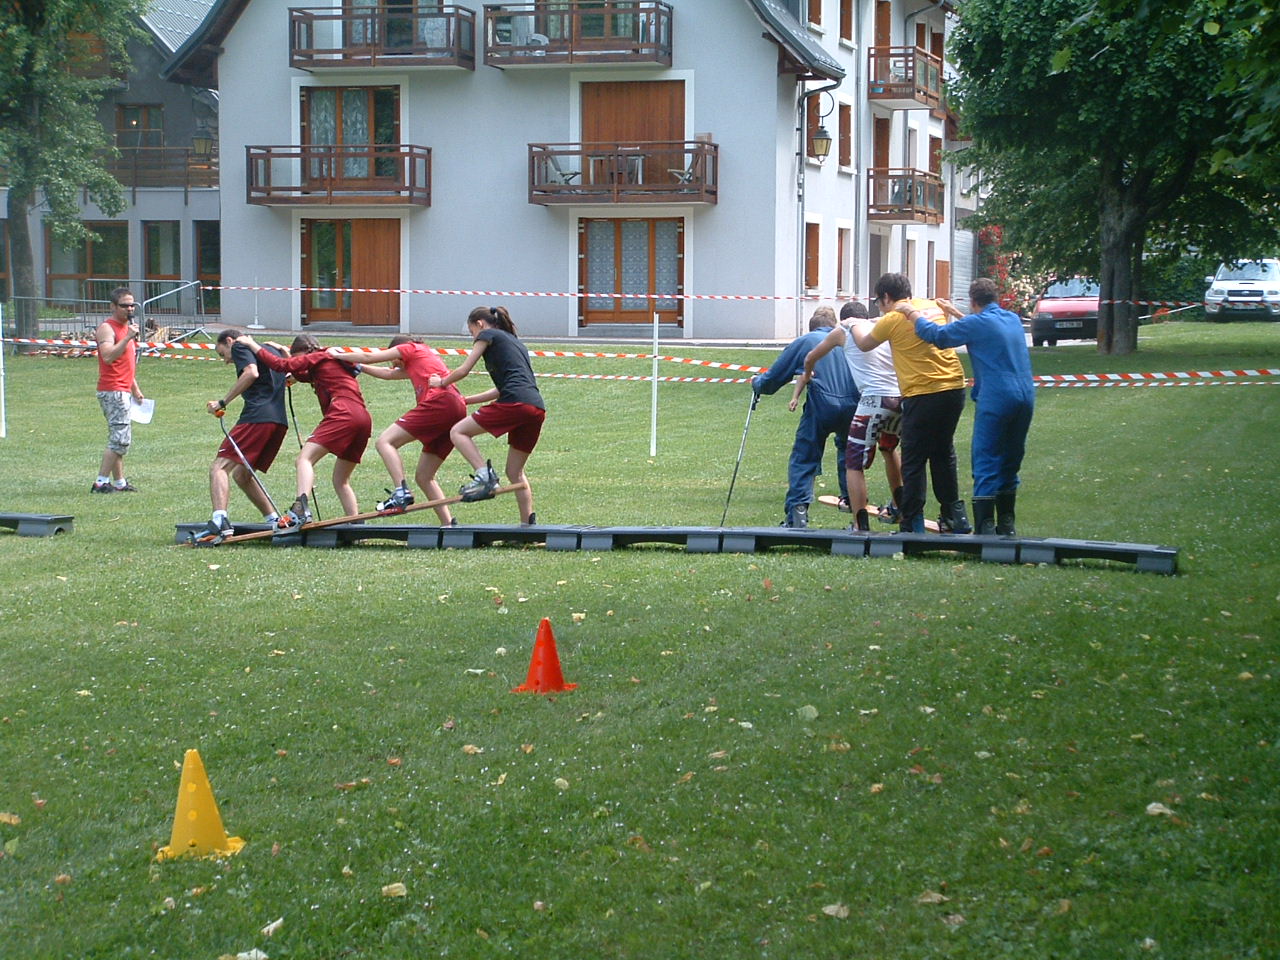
[[1003, 389], [830, 401]]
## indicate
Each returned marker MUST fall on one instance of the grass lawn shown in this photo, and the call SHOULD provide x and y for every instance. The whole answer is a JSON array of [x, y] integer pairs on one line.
[[778, 755]]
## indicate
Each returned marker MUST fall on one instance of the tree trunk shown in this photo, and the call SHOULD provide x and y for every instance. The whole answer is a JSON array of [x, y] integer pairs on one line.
[[1122, 224], [22, 262]]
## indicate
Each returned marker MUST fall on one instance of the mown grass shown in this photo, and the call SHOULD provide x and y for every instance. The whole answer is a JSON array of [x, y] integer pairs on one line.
[[767, 756]]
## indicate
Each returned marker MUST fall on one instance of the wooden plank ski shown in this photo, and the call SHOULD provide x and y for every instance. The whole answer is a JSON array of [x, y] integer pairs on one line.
[[827, 500], [357, 517]]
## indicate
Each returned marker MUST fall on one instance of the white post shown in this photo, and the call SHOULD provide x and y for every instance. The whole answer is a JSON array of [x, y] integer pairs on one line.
[[255, 325], [653, 404], [4, 429]]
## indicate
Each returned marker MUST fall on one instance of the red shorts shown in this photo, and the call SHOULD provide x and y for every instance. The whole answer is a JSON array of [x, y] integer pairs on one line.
[[259, 442], [344, 431], [429, 422], [522, 420]]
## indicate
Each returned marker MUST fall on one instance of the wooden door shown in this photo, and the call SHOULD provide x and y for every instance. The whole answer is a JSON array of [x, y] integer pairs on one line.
[[625, 114], [375, 262]]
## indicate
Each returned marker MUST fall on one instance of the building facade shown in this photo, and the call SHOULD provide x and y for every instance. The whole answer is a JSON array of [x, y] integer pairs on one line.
[[617, 158]]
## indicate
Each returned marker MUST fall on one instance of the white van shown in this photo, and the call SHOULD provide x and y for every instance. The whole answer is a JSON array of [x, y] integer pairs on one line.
[[1245, 290]]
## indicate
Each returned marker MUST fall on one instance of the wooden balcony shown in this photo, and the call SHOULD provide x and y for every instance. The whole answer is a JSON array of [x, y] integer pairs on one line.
[[173, 167], [389, 36], [903, 195], [904, 78], [578, 33], [674, 171], [393, 174]]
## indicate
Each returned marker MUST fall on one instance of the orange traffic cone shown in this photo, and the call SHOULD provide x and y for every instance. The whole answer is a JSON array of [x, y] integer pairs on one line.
[[544, 669], [197, 825]]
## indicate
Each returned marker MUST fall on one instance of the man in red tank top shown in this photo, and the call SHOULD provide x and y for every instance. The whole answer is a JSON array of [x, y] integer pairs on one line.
[[117, 388]]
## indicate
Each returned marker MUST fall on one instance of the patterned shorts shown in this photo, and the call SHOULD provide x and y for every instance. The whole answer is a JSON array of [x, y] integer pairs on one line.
[[876, 423], [115, 407]]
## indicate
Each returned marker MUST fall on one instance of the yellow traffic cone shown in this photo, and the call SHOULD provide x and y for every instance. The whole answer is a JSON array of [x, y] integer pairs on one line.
[[197, 826]]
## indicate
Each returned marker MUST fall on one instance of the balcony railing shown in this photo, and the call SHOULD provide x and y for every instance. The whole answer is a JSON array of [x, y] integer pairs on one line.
[[391, 173], [663, 171], [399, 36], [903, 195], [619, 31], [904, 78], [163, 167]]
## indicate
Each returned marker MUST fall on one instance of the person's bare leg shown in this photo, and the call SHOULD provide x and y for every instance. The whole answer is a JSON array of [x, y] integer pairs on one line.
[[462, 435], [342, 471], [516, 459], [425, 476], [249, 486]]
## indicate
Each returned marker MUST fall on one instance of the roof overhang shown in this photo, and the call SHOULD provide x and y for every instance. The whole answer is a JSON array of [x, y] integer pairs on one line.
[[196, 61], [806, 55]]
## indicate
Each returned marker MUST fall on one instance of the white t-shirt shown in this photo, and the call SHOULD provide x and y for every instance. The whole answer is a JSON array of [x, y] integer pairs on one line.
[[873, 369]]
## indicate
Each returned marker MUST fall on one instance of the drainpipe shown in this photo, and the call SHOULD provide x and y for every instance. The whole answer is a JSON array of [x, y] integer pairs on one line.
[[802, 155], [906, 133]]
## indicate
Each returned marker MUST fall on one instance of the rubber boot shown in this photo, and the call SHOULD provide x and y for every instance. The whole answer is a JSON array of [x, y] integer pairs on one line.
[[954, 519], [861, 523], [912, 524], [1004, 513], [984, 516]]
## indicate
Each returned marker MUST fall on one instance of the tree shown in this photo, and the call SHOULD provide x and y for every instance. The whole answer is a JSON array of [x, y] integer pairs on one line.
[[1094, 127], [57, 59]]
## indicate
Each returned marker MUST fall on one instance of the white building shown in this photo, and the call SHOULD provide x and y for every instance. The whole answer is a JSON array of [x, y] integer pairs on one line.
[[570, 147]]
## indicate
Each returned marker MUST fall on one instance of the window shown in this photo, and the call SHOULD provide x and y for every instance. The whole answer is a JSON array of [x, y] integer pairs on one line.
[[812, 255], [326, 252], [846, 20], [815, 12], [354, 120], [846, 135], [635, 257], [139, 125], [843, 264], [104, 260], [935, 155], [208, 246], [162, 270]]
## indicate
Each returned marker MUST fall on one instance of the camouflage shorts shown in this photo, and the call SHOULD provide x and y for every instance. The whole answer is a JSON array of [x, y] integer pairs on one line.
[[115, 407]]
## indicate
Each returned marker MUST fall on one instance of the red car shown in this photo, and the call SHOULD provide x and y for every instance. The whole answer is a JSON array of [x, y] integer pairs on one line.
[[1067, 310]]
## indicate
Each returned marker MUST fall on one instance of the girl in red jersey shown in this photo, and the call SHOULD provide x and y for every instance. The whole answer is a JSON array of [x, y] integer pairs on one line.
[[518, 409], [344, 427], [429, 422]]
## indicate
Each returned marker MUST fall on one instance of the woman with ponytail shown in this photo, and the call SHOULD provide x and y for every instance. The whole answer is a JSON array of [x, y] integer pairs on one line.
[[513, 406]]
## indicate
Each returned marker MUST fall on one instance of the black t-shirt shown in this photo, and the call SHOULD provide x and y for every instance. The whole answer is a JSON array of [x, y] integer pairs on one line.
[[264, 400], [507, 360]]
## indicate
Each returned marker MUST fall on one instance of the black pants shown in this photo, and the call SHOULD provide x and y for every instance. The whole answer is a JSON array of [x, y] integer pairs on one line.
[[928, 431]]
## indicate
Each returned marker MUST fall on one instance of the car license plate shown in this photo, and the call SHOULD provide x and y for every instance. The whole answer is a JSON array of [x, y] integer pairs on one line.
[[1069, 324]]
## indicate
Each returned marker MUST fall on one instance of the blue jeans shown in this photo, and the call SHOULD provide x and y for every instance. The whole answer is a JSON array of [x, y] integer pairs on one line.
[[815, 426]]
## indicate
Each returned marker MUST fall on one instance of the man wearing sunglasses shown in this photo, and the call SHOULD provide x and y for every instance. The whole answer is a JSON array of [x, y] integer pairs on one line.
[[117, 387]]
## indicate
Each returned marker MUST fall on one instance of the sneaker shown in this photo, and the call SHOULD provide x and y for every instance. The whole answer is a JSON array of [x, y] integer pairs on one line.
[[102, 488], [213, 534], [125, 487], [890, 513], [296, 515], [843, 505], [481, 485], [398, 499]]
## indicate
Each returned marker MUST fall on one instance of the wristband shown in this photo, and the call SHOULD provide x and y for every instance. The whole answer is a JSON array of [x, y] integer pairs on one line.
[[222, 404]]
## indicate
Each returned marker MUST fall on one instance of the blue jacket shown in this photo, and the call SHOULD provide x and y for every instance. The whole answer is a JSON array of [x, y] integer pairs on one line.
[[997, 348], [832, 384]]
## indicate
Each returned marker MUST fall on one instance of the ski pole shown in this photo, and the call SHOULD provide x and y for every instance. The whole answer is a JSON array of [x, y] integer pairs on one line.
[[315, 507], [245, 460], [755, 398]]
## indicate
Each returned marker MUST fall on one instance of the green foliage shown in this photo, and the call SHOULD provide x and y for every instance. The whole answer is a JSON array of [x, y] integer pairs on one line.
[[1093, 124], [52, 77], [754, 738]]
